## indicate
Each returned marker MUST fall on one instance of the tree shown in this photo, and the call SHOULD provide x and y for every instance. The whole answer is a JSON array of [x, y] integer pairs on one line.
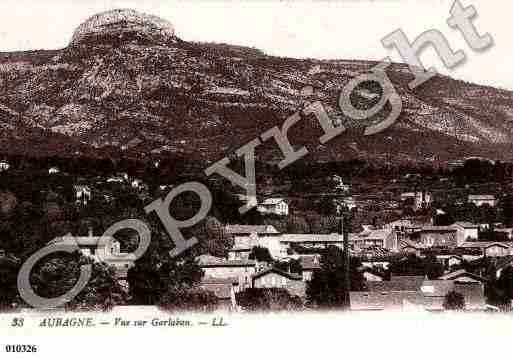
[[58, 274], [291, 266], [260, 254], [504, 286], [263, 299], [9, 266], [416, 266], [297, 224], [158, 279], [507, 210], [184, 298], [218, 240], [454, 301], [326, 289]]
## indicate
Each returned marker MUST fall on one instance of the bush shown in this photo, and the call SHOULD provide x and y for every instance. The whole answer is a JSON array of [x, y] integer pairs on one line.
[[268, 299], [454, 301]]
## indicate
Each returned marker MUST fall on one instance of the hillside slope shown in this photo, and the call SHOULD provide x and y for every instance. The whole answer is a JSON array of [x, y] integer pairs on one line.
[[127, 84]]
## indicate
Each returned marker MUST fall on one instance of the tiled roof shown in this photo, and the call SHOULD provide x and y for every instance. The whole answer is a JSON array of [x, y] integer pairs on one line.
[[212, 280], [385, 300], [396, 283], [481, 197], [298, 238], [81, 241], [211, 261], [476, 244], [430, 296], [436, 288], [466, 225], [438, 229], [248, 229], [272, 201], [277, 271], [376, 234], [460, 273]]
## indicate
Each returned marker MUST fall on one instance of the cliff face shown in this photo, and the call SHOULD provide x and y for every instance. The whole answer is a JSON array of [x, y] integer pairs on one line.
[[127, 84]]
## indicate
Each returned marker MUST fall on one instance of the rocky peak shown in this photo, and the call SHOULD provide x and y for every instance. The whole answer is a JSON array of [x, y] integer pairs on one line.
[[122, 26]]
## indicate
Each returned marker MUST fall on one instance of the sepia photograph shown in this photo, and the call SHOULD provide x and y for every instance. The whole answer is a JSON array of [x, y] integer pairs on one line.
[[238, 171]]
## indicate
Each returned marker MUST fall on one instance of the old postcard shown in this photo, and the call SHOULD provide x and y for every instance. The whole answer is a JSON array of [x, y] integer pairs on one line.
[[228, 178]]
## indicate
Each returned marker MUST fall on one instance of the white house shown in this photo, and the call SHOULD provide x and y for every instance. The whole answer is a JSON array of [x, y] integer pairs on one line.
[[419, 199], [101, 249], [82, 194], [248, 236], [349, 202], [241, 270], [4, 166], [276, 206], [482, 199], [374, 238], [465, 231]]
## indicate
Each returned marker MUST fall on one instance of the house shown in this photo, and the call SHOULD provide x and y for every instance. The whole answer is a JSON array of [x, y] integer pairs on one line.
[[137, 183], [482, 199], [349, 202], [462, 276], [435, 236], [82, 194], [310, 241], [397, 283], [101, 249], [397, 293], [417, 200], [4, 166], [449, 260], [239, 252], [53, 170], [276, 206], [115, 179], [374, 238], [215, 267], [434, 292], [224, 289], [309, 264], [491, 249], [416, 293], [466, 231], [249, 236], [275, 278], [408, 225]]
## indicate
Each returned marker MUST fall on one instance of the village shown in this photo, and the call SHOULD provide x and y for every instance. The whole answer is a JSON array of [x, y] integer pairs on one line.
[[389, 234]]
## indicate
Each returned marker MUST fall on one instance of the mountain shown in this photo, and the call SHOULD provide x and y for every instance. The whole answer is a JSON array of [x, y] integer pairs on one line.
[[128, 85]]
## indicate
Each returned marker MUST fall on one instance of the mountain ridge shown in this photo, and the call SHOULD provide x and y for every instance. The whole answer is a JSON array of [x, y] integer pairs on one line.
[[142, 91]]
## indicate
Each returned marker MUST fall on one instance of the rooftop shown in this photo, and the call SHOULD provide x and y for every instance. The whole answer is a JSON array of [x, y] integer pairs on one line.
[[249, 229]]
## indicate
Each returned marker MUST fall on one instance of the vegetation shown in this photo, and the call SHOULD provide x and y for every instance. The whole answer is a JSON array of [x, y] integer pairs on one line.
[[326, 289], [454, 301]]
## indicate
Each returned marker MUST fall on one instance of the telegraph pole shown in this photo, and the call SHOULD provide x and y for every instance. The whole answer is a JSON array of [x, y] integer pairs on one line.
[[346, 258]]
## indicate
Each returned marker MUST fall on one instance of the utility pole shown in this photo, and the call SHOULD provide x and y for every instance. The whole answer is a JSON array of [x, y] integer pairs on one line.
[[346, 258]]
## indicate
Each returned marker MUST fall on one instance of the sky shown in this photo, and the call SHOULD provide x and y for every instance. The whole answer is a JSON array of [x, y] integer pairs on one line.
[[336, 29]]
